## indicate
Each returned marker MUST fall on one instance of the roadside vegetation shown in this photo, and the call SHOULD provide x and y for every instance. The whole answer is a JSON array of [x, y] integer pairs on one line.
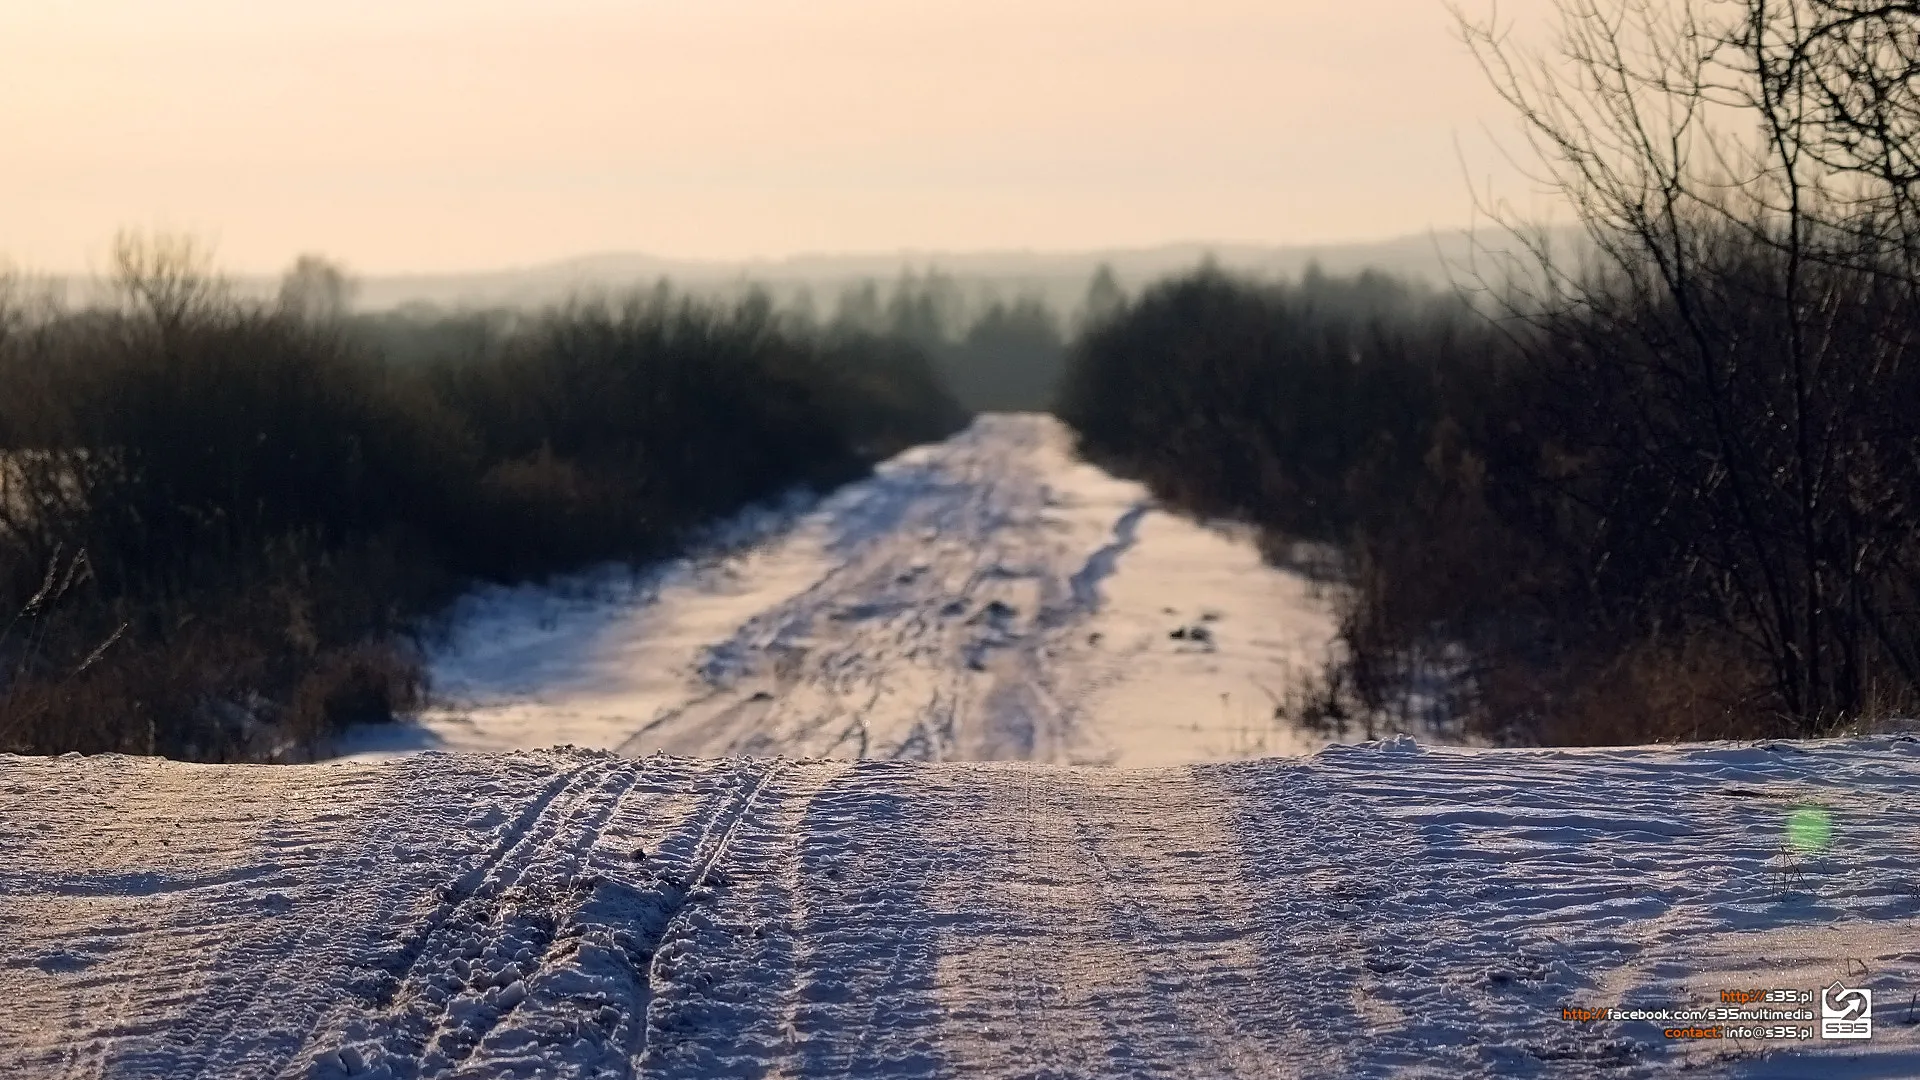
[[1662, 489], [221, 521]]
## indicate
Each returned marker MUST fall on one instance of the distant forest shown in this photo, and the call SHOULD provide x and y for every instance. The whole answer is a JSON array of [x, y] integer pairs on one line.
[[995, 353]]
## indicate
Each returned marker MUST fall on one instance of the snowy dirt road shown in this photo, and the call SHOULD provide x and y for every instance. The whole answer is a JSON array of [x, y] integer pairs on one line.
[[985, 598], [848, 807], [1367, 911]]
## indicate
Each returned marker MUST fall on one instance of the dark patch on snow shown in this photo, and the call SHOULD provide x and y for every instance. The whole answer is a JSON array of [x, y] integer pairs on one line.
[[63, 961]]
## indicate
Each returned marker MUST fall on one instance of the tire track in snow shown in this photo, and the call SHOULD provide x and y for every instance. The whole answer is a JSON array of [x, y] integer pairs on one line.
[[455, 977], [1118, 940], [806, 949], [674, 938], [720, 995], [243, 1000], [562, 948], [1193, 967], [1038, 1029], [945, 585], [1370, 912], [938, 610], [864, 937], [1085, 582]]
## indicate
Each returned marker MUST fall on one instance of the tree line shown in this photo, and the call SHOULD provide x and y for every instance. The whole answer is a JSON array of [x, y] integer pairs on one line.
[[220, 522], [1662, 486]]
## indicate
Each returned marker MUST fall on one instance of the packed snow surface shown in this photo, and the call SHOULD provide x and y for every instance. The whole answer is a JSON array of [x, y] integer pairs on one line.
[[887, 838], [1379, 910], [986, 598]]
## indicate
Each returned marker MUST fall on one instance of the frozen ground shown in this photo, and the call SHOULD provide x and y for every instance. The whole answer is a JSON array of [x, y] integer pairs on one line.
[[986, 598], [925, 866], [1367, 911]]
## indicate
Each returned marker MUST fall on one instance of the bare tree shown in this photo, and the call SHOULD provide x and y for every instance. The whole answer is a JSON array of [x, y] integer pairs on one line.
[[167, 277], [1726, 375]]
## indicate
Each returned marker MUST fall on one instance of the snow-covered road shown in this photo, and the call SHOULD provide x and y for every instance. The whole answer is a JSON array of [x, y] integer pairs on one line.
[[985, 598], [886, 838], [1367, 911]]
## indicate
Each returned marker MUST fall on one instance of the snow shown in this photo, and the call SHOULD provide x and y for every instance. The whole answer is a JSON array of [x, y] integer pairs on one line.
[[970, 771], [986, 598], [1364, 911]]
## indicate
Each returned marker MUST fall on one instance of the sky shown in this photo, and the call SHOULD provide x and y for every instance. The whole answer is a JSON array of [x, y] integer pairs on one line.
[[446, 135]]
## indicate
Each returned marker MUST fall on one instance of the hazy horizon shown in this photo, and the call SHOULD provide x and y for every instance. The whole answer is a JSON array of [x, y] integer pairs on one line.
[[1059, 278], [443, 138], [918, 258]]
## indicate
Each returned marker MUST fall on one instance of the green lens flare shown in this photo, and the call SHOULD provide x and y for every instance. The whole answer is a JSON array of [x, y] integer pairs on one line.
[[1809, 829]]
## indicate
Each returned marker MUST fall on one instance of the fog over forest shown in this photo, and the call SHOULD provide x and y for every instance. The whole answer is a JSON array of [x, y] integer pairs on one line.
[[1057, 278]]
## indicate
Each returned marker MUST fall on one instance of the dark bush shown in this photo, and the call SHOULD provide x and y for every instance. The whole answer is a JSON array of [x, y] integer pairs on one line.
[[1613, 522], [1308, 409], [609, 429], [266, 506]]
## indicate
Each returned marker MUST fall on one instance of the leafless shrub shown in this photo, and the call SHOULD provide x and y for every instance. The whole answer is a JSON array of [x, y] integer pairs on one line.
[[269, 505]]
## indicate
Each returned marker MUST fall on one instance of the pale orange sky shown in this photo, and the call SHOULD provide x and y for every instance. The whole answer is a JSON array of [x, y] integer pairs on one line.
[[465, 134]]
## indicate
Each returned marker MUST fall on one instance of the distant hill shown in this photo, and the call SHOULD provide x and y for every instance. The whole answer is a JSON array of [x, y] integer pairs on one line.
[[1059, 277]]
